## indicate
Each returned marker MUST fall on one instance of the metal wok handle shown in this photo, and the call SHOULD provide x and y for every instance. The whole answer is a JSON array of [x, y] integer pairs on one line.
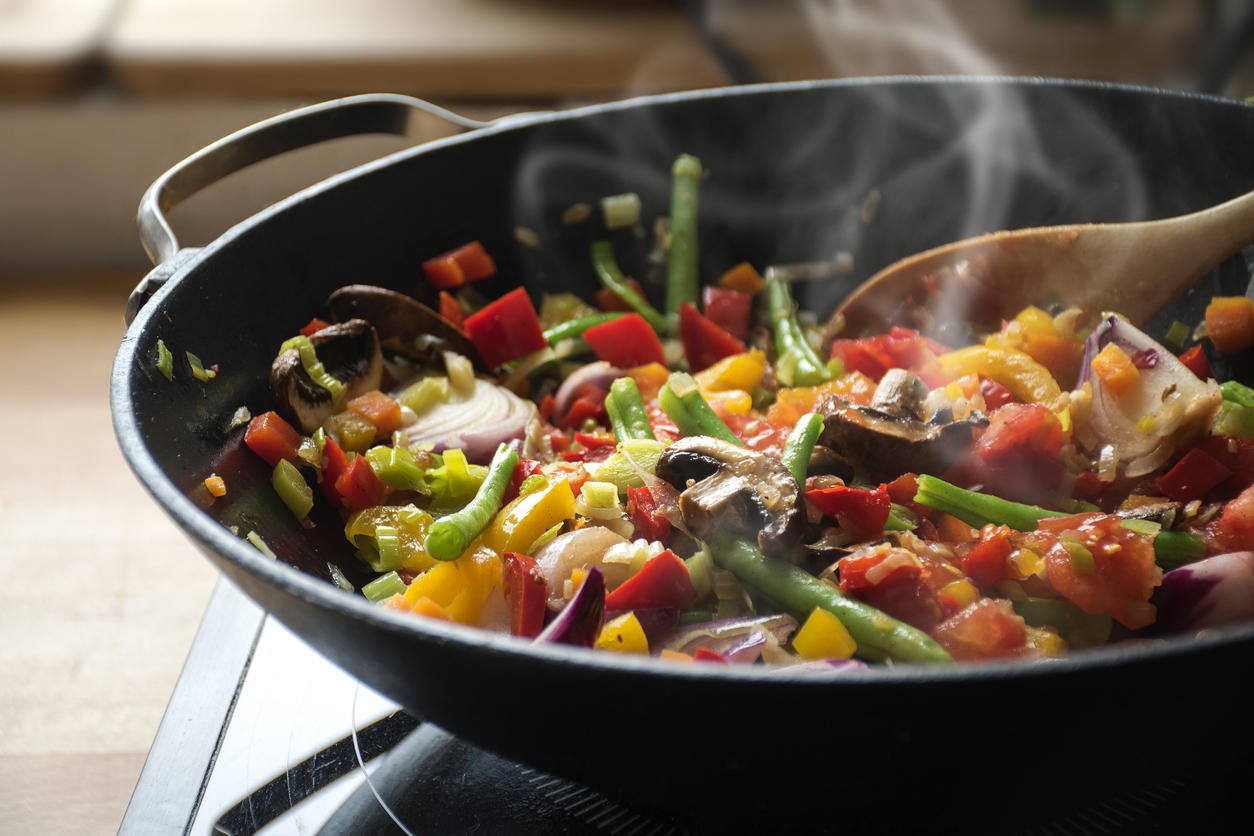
[[386, 113]]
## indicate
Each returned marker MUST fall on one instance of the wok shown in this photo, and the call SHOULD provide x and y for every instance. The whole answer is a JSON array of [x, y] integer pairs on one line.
[[794, 172]]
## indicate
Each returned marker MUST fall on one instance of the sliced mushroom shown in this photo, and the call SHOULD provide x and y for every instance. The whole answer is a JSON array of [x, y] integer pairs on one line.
[[405, 325], [349, 351], [900, 394], [883, 446], [726, 490]]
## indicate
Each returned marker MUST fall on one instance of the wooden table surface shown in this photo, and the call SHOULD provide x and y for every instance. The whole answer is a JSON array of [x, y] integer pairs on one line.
[[100, 594]]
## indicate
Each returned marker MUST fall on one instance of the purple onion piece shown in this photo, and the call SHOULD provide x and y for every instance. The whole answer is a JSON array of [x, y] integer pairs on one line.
[[823, 666], [656, 622], [737, 639], [599, 373], [1209, 593], [579, 622]]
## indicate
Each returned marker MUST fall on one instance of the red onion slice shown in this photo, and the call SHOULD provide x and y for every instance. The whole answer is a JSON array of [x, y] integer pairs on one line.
[[476, 423], [1209, 593], [579, 622], [599, 373]]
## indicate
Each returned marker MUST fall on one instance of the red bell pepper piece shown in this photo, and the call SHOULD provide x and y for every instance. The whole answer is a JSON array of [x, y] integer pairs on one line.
[[986, 563], [728, 309], [647, 521], [1236, 454], [358, 485], [662, 582], [610, 302], [626, 342], [1194, 359], [452, 310], [315, 325], [853, 572], [705, 343], [704, 654], [333, 467], [272, 438], [1194, 476], [523, 469], [506, 329], [995, 395], [861, 511], [900, 348], [589, 403], [526, 593], [468, 263]]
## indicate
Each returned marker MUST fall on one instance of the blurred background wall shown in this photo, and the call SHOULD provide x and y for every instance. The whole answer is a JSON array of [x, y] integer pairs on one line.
[[98, 97]]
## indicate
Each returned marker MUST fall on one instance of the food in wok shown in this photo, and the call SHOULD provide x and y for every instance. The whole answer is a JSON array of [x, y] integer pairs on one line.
[[727, 479]]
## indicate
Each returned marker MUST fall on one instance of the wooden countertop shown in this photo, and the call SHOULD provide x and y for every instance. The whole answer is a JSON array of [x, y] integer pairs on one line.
[[101, 594]]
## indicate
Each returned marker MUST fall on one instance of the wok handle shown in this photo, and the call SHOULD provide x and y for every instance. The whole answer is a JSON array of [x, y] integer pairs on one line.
[[386, 113]]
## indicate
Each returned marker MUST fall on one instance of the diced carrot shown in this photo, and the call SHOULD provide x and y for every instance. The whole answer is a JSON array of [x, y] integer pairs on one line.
[[272, 438], [215, 485], [468, 263], [1115, 369], [649, 379], [1230, 323], [378, 409], [742, 277], [425, 606], [398, 602], [452, 310]]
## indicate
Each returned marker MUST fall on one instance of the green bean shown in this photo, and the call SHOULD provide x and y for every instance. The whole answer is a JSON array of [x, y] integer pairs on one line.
[[979, 509], [449, 536], [800, 444], [1173, 549], [681, 263], [572, 328], [879, 636], [607, 270], [681, 400], [797, 364], [628, 405]]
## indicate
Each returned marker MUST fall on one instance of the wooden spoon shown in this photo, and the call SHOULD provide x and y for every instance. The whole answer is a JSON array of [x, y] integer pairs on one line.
[[1132, 268]]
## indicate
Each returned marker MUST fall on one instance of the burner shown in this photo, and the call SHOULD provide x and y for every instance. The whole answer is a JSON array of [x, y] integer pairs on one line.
[[264, 736]]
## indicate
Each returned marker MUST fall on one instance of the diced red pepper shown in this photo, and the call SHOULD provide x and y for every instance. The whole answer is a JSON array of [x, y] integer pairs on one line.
[[705, 343], [854, 569], [548, 405], [995, 395], [609, 301], [862, 512], [1236, 454], [1194, 359], [506, 329], [526, 593], [626, 342], [359, 487], [272, 438], [452, 310], [315, 325], [663, 581], [704, 654], [900, 348], [1194, 476], [334, 463], [523, 469], [728, 309], [986, 563], [988, 629], [647, 521], [468, 263], [589, 403], [595, 440]]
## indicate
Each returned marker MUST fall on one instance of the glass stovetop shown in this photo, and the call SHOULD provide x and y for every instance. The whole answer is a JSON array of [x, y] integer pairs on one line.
[[263, 735]]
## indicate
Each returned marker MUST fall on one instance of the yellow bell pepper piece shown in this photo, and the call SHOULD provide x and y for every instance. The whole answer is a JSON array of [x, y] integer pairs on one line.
[[624, 635], [521, 522], [823, 636], [739, 371], [411, 524], [650, 378], [1026, 379], [729, 401], [460, 587]]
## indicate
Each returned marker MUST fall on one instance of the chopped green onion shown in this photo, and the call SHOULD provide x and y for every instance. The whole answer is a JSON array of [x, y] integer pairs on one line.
[[384, 587], [313, 366], [1176, 335], [1237, 392], [1233, 419], [1081, 557], [387, 539], [255, 538], [544, 539], [532, 483], [198, 368], [397, 468], [600, 494], [621, 210], [291, 487], [424, 394], [165, 360], [1149, 528]]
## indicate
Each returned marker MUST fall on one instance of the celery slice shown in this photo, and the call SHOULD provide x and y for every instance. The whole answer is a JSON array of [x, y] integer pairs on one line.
[[384, 587], [165, 360], [291, 487]]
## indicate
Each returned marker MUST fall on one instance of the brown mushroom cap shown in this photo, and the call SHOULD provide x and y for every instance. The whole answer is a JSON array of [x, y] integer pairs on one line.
[[727, 491], [349, 351], [405, 325]]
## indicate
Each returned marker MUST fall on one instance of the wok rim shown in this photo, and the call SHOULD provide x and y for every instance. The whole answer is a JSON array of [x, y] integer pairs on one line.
[[215, 539]]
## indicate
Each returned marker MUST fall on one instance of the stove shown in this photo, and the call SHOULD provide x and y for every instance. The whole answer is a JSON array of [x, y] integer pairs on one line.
[[265, 736]]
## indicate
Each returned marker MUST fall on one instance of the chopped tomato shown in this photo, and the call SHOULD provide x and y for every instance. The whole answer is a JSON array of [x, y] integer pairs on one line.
[[987, 629], [705, 342], [646, 519], [1235, 527], [900, 348], [988, 560], [468, 263], [1236, 454], [506, 329], [995, 395], [272, 438], [626, 342], [728, 309], [1019, 453], [900, 583]]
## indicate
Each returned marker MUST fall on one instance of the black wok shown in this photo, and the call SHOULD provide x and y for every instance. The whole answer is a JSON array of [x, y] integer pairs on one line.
[[791, 168]]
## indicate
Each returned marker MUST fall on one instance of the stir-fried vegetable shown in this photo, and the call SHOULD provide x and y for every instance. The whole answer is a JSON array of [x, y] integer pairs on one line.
[[704, 486]]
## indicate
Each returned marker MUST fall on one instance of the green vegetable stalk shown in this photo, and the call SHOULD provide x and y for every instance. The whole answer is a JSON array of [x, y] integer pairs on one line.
[[449, 536], [979, 509], [628, 416], [681, 265], [797, 363], [800, 444], [607, 270], [573, 328], [879, 636], [681, 400]]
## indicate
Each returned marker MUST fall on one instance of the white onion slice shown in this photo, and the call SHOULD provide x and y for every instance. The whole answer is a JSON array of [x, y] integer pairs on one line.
[[475, 422]]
